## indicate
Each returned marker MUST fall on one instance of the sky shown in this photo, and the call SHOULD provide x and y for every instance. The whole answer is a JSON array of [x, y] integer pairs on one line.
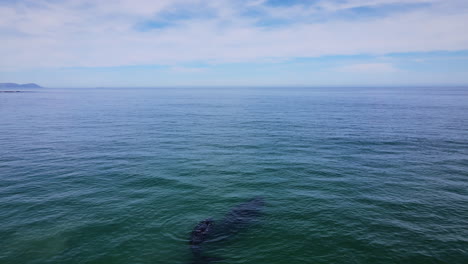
[[153, 43]]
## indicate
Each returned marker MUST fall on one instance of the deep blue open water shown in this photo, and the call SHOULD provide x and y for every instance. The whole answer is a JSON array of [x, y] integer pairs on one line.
[[348, 175]]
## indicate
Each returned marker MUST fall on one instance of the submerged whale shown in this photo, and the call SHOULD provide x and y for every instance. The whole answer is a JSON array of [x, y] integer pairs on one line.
[[236, 220], [199, 235]]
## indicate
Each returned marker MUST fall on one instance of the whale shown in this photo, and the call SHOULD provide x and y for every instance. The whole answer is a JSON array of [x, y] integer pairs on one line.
[[199, 235], [210, 231]]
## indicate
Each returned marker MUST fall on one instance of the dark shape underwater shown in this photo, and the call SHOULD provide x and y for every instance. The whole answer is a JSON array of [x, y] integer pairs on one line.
[[237, 219]]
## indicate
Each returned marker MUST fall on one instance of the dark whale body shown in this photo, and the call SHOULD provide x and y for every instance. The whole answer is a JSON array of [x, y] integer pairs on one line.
[[236, 220], [200, 234], [239, 218]]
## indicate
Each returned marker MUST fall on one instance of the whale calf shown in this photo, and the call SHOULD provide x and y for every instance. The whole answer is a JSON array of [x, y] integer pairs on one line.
[[236, 220]]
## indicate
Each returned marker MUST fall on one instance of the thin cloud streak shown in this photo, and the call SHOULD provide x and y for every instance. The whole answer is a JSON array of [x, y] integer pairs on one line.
[[369, 68]]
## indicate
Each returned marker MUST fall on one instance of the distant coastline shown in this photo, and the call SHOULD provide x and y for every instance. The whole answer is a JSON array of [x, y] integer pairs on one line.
[[17, 85]]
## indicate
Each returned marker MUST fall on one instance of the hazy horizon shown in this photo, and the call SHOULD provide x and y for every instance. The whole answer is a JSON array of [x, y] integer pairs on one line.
[[256, 86]]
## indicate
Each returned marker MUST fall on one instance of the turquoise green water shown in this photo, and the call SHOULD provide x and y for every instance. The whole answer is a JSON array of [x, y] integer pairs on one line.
[[349, 175]]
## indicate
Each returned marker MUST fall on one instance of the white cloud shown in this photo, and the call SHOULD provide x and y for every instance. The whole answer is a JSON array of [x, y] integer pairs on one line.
[[369, 68], [180, 69], [74, 33], [331, 5]]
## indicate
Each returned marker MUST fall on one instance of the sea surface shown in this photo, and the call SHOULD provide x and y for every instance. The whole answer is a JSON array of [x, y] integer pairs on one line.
[[348, 175]]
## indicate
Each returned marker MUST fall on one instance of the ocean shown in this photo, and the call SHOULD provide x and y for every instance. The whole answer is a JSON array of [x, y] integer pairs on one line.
[[348, 175]]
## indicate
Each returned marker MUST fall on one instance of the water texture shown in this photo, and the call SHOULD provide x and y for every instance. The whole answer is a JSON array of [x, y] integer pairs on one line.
[[348, 175]]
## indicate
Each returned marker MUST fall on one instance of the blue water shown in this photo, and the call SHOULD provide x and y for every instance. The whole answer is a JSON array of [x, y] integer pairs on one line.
[[348, 175]]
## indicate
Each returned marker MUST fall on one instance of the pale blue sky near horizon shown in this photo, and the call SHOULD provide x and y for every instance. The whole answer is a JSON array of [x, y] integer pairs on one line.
[[146, 43]]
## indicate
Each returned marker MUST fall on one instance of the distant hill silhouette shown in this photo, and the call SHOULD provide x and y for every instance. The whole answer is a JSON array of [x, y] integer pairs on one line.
[[16, 85]]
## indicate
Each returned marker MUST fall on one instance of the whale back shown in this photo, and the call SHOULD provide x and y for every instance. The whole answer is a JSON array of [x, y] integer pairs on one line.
[[236, 220]]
